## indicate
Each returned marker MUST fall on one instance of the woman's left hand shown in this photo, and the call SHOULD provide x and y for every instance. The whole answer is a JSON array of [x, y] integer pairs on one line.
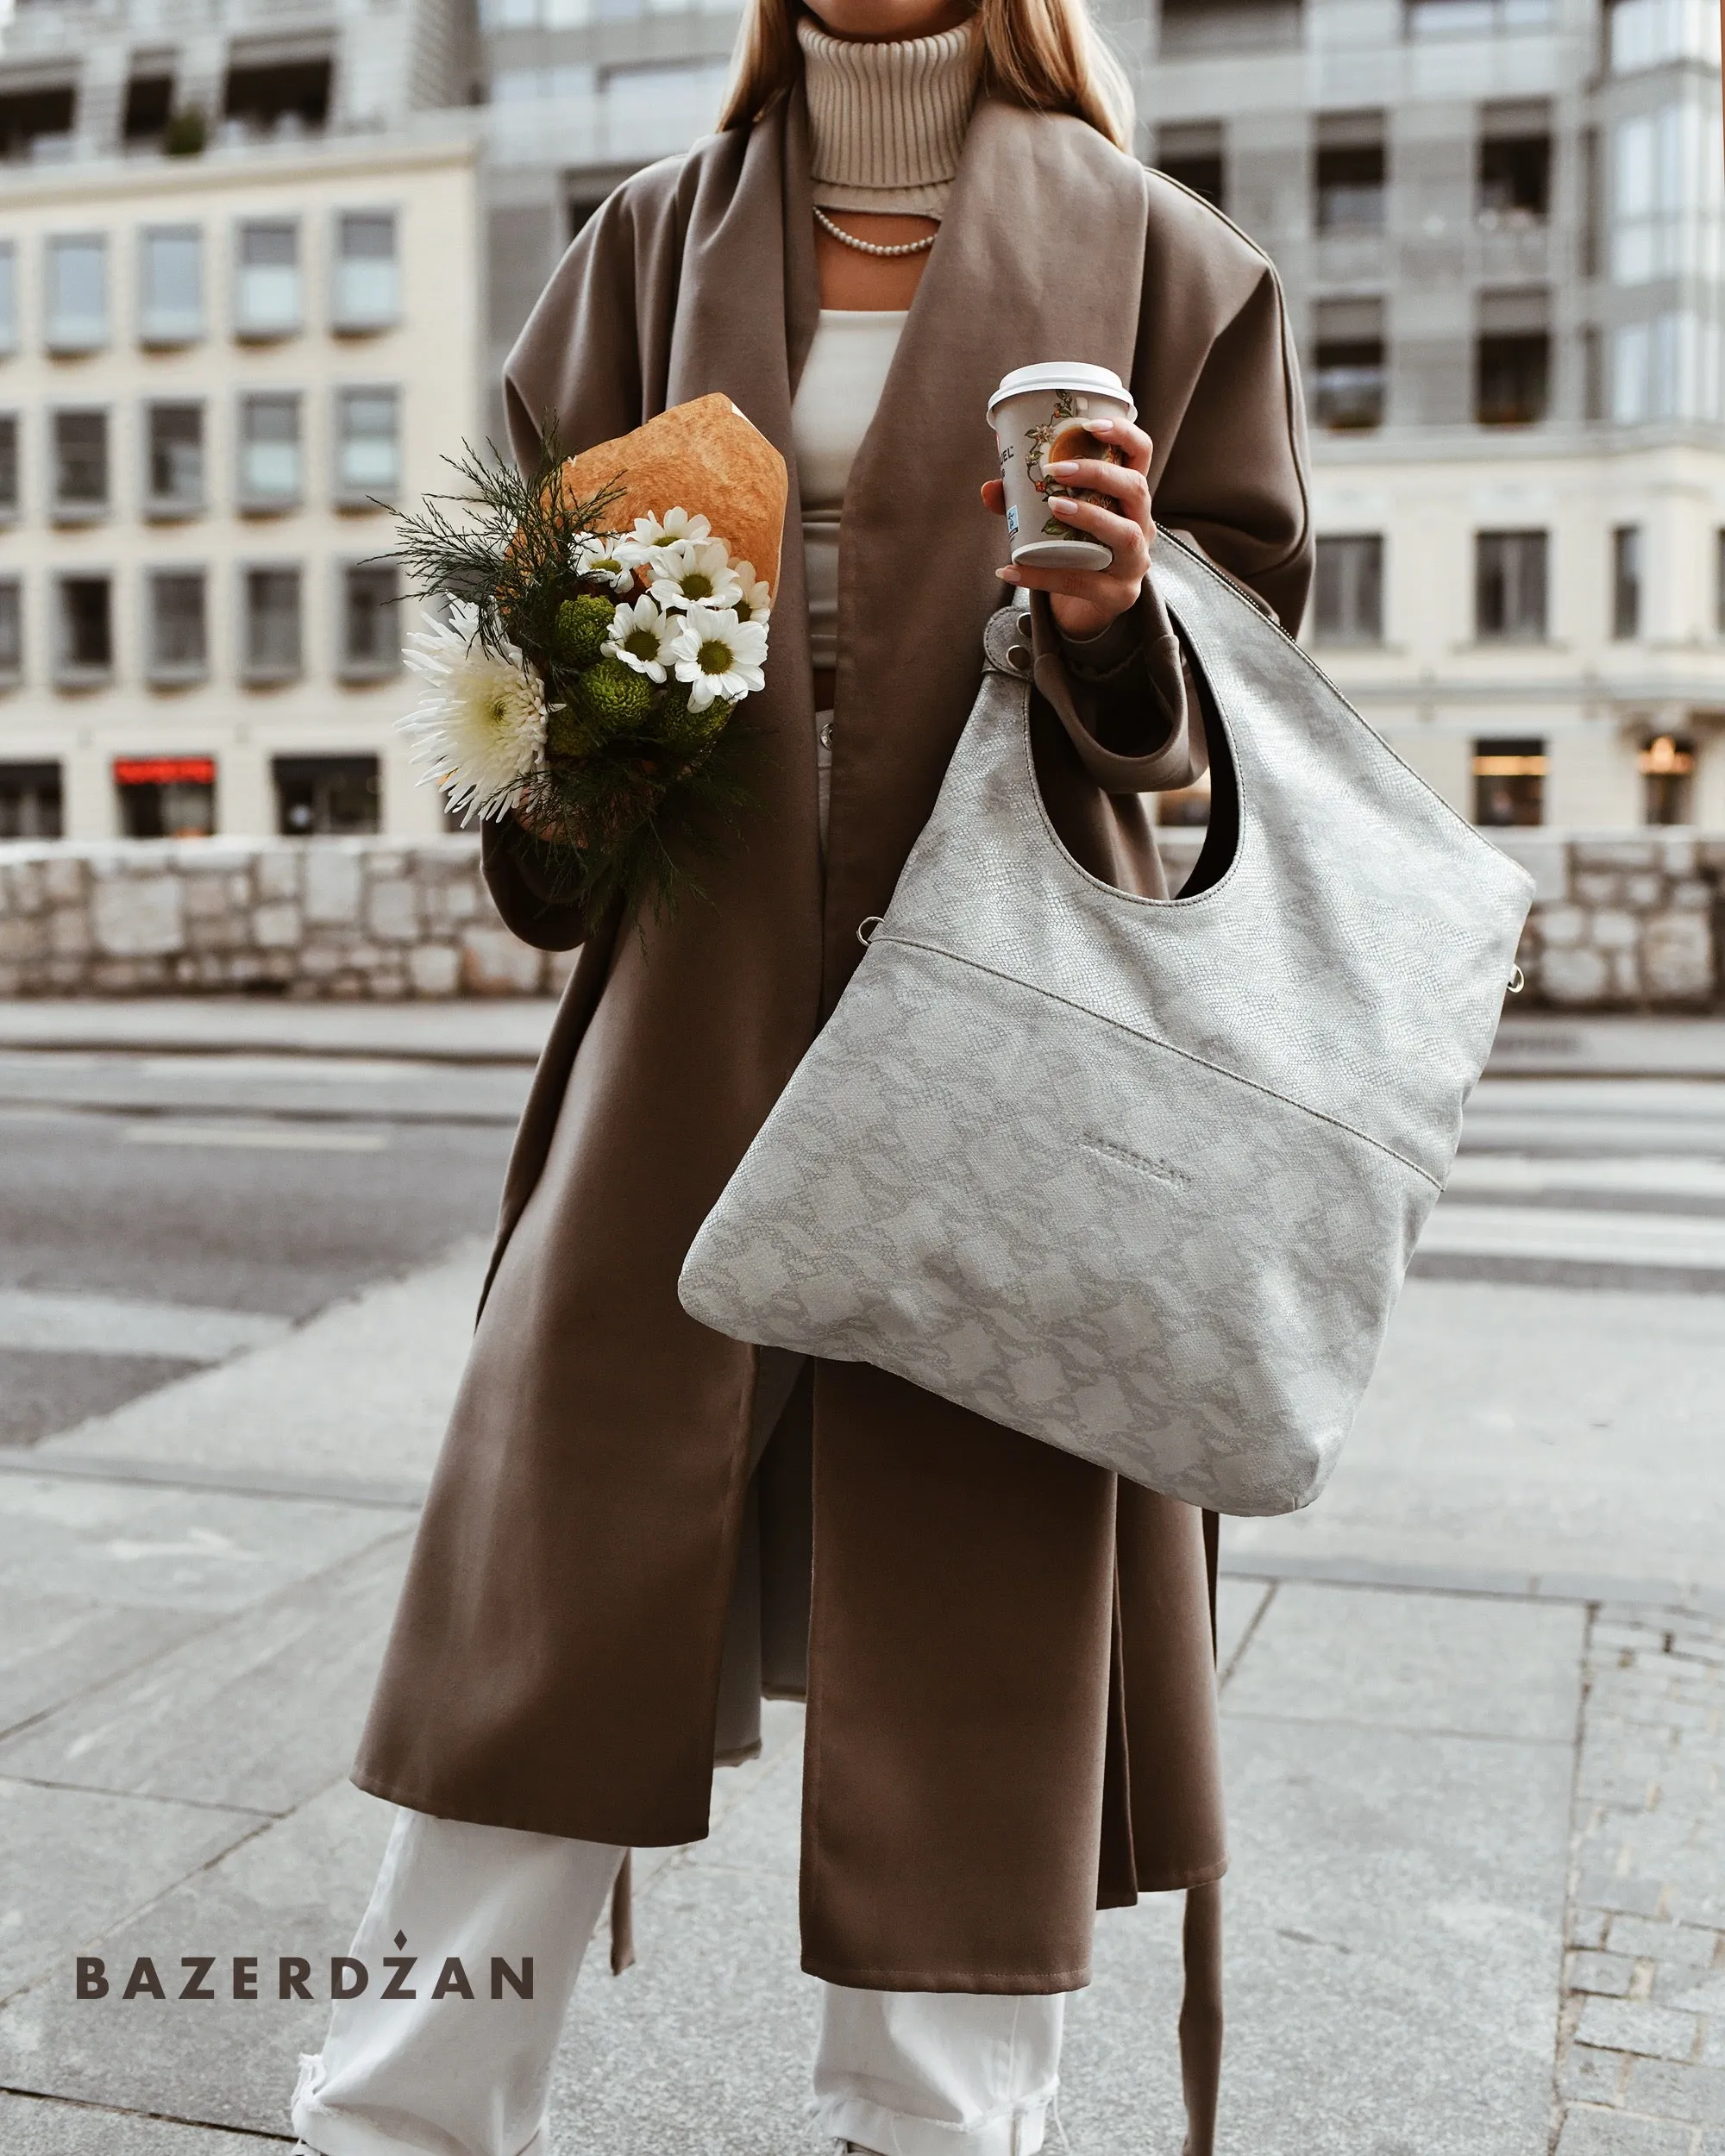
[[1086, 600]]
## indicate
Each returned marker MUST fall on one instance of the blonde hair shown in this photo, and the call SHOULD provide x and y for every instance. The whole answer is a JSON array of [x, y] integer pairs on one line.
[[1044, 54]]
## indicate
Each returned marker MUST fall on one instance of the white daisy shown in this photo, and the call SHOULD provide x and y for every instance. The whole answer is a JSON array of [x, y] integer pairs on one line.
[[695, 573], [757, 602], [719, 655], [675, 525], [481, 729], [642, 636], [608, 558]]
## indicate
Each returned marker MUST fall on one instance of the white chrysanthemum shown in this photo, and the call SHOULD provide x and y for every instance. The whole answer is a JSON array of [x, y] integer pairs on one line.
[[694, 573], [675, 525], [481, 729], [720, 656], [642, 636], [757, 601], [608, 558]]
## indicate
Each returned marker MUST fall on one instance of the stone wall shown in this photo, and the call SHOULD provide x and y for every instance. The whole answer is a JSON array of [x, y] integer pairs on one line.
[[298, 917], [1622, 920]]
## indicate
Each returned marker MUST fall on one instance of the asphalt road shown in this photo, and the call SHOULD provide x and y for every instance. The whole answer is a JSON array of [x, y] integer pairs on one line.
[[137, 1192]]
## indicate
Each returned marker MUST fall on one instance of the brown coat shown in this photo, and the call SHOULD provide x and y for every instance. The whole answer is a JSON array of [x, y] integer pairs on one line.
[[1008, 1656]]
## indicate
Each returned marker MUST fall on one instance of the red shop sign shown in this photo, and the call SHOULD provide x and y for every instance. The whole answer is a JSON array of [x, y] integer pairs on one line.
[[164, 770]]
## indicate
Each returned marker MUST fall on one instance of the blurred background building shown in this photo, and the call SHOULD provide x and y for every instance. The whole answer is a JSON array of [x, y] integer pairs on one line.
[[261, 263]]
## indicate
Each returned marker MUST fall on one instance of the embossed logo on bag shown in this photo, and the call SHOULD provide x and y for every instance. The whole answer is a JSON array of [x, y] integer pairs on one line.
[[1164, 1171]]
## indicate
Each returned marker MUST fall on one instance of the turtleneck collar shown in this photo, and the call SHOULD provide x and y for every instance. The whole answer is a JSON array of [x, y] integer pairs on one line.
[[886, 121]]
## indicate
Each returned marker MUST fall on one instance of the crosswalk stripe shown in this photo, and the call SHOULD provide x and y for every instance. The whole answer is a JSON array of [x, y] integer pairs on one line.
[[108, 1325], [1583, 1237]]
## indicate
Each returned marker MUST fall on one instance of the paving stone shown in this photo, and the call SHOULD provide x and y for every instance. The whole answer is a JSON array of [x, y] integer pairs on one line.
[[74, 1863], [299, 1887], [34, 2125], [1588, 2075], [228, 1717], [1686, 1945], [1354, 1918], [132, 1546], [1238, 1607], [1410, 1661], [1607, 1974], [1610, 2133], [54, 1648], [1587, 1927], [1655, 2032], [1679, 2092]]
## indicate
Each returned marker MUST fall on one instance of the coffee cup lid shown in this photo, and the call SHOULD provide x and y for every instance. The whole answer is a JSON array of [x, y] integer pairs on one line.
[[1077, 374]]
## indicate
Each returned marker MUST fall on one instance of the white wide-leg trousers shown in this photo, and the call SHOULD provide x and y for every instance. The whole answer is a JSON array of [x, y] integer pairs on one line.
[[908, 2073]]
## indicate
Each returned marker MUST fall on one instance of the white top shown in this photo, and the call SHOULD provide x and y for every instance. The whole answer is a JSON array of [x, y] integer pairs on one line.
[[836, 400]]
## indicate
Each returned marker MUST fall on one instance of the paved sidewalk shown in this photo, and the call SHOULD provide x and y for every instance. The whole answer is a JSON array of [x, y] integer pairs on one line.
[[197, 1590]]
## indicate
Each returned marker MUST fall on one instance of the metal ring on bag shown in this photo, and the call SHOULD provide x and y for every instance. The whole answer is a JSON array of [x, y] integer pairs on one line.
[[872, 922], [1518, 981]]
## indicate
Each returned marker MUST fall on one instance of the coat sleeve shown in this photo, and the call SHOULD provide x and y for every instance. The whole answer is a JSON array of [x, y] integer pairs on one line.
[[588, 360], [1233, 481]]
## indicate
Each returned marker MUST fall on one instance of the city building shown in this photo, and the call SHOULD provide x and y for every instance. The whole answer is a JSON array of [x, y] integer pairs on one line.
[[239, 320], [1501, 225]]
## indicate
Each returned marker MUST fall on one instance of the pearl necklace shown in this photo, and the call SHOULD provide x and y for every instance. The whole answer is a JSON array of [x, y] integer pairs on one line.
[[870, 247]]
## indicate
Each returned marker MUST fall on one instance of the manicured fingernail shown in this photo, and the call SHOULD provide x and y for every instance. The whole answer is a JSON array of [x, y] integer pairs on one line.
[[1061, 471], [1063, 507], [1101, 426], [1008, 576]]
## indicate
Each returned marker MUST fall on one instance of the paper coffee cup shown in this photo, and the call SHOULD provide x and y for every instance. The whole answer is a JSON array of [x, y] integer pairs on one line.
[[1039, 416]]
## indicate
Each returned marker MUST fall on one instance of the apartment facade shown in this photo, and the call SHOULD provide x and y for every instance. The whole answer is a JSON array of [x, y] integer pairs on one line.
[[1501, 225], [219, 371]]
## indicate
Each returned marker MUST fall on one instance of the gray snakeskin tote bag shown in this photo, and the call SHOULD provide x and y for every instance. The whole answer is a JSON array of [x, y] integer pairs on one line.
[[1140, 1177]]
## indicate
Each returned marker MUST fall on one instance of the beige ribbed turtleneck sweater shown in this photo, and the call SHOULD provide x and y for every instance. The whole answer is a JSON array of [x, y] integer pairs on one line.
[[886, 121]]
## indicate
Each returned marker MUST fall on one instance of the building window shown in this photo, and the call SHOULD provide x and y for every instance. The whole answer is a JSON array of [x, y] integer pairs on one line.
[[1509, 587], [9, 467], [80, 466], [271, 629], [367, 285], [316, 796], [1646, 362], [367, 445], [1512, 378], [1626, 582], [11, 632], [31, 801], [1510, 782], [179, 649], [1349, 377], [85, 656], [286, 99], [266, 301], [269, 453], [77, 294], [30, 117], [149, 106], [1514, 181], [371, 621], [166, 797], [170, 275], [1192, 154], [1347, 599], [1351, 180], [174, 479], [1667, 768], [9, 298]]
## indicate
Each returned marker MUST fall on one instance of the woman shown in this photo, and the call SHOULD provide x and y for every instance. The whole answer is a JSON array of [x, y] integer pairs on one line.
[[636, 1526]]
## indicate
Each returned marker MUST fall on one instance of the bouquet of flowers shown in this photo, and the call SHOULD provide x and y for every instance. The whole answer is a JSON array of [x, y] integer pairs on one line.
[[597, 637]]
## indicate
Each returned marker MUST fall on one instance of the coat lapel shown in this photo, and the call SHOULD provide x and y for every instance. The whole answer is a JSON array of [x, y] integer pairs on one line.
[[1040, 257]]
